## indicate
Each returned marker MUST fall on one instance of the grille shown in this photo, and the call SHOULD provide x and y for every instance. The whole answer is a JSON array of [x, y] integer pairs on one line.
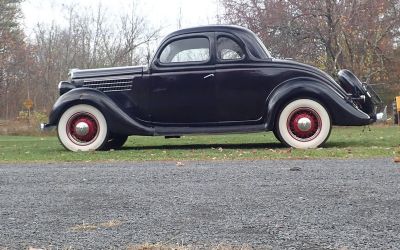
[[110, 85]]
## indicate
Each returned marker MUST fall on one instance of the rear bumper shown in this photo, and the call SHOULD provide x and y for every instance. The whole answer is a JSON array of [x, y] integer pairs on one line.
[[46, 127], [381, 116]]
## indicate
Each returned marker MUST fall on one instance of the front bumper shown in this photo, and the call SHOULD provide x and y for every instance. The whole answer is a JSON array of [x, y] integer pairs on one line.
[[46, 127]]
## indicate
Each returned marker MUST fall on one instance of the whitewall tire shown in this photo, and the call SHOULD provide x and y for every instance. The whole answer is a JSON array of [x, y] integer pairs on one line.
[[82, 128], [303, 124]]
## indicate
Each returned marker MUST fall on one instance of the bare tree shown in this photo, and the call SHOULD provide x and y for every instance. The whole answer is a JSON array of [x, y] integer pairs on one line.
[[331, 34], [31, 68], [92, 39], [14, 59]]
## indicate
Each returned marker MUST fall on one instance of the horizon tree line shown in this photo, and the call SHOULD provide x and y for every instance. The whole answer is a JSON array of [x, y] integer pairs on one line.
[[361, 35]]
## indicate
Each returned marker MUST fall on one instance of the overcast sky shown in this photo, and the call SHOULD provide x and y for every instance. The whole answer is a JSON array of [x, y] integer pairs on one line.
[[164, 13]]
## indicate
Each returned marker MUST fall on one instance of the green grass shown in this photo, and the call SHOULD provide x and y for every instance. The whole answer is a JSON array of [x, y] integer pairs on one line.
[[356, 142]]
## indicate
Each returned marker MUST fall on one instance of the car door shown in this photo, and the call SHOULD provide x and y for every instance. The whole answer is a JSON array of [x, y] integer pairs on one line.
[[182, 82], [241, 87]]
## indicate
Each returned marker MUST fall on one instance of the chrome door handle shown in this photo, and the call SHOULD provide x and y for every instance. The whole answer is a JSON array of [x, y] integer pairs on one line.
[[208, 76]]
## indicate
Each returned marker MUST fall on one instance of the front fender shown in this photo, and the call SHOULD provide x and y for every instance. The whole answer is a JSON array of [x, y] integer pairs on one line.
[[117, 120], [341, 110]]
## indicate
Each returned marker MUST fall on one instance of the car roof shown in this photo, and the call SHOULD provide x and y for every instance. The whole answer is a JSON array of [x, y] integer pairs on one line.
[[247, 36], [209, 28]]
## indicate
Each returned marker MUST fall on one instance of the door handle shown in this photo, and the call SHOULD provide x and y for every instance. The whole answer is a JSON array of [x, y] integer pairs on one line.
[[208, 76]]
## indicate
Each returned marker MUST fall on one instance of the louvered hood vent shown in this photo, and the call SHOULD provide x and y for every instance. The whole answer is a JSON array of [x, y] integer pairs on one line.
[[110, 85]]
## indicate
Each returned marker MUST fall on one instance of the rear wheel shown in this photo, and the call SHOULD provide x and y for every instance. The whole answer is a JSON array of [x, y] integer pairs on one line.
[[82, 128], [115, 142], [304, 123]]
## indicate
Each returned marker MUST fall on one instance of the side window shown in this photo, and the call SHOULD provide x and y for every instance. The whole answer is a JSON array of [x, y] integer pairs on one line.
[[186, 50], [228, 50]]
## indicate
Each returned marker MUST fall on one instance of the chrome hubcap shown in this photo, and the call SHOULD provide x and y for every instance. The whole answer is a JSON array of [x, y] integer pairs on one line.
[[304, 124], [82, 129]]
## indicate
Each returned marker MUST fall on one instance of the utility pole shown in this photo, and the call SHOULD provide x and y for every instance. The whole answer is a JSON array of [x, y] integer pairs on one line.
[[218, 15], [180, 18], [7, 102]]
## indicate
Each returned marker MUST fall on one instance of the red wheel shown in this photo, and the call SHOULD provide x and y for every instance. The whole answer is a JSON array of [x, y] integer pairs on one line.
[[82, 128], [304, 124]]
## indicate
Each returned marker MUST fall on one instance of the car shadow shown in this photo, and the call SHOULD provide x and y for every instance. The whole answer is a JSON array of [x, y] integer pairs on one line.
[[208, 146], [244, 146]]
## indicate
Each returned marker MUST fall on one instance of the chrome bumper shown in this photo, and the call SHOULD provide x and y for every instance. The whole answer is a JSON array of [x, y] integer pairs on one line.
[[46, 127], [382, 116]]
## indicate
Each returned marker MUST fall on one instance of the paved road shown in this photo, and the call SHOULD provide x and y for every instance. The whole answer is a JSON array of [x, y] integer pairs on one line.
[[328, 204]]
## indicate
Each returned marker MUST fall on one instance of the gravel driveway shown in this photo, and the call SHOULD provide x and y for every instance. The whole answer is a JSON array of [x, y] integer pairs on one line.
[[329, 204]]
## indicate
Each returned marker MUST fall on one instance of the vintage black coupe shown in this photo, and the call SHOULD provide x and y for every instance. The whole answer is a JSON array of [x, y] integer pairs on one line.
[[203, 80]]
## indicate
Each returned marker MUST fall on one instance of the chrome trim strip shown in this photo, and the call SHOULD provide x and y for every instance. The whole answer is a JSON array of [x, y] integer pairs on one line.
[[113, 87], [80, 74], [116, 90], [109, 78], [107, 83]]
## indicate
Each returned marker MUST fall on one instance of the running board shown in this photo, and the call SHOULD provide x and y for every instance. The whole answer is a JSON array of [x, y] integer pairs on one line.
[[172, 137], [178, 131]]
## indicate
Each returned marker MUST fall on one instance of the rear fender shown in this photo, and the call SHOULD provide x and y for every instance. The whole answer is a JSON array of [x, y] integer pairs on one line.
[[341, 110], [117, 120], [362, 93]]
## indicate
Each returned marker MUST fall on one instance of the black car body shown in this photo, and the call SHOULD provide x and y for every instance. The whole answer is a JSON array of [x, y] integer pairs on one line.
[[212, 79]]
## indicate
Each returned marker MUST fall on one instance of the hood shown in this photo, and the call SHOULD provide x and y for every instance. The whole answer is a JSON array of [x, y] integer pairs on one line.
[[87, 74]]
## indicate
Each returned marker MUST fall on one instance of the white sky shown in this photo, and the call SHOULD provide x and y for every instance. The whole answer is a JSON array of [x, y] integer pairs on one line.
[[160, 13]]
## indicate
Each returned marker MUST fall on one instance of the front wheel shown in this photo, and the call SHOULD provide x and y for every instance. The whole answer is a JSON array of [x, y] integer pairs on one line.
[[82, 128], [303, 124]]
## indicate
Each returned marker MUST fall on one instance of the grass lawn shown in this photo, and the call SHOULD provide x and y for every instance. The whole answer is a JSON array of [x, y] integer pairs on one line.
[[355, 142]]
